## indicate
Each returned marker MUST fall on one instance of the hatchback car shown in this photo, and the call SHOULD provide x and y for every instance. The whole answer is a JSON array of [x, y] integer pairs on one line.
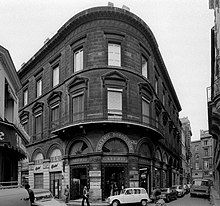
[[200, 187], [130, 196], [44, 197], [168, 194], [180, 190]]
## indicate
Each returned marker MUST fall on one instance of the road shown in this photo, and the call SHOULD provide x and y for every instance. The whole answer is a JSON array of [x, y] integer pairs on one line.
[[189, 201]]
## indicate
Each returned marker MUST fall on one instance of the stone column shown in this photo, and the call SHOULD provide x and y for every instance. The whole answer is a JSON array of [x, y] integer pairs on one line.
[[95, 190], [46, 174], [31, 174]]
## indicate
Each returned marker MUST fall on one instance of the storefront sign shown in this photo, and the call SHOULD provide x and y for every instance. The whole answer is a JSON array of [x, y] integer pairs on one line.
[[78, 160], [55, 166], [94, 173], [115, 159], [38, 168]]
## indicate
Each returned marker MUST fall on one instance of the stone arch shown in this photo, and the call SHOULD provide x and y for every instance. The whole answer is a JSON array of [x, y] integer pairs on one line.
[[78, 140], [165, 158], [110, 135], [53, 147], [115, 145], [145, 148], [158, 154], [36, 152]]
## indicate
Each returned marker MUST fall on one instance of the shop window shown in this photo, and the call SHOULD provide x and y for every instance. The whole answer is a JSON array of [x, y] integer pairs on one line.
[[56, 75], [78, 60], [114, 54], [114, 103], [38, 180]]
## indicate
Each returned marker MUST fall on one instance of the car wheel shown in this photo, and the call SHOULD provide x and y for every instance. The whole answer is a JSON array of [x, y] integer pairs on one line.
[[191, 195], [175, 197], [143, 202], [115, 203], [168, 198]]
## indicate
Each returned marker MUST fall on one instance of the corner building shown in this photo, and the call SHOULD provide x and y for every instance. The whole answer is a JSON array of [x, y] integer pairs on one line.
[[100, 108]]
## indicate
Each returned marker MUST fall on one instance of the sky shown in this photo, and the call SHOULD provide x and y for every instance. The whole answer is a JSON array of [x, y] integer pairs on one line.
[[181, 27]]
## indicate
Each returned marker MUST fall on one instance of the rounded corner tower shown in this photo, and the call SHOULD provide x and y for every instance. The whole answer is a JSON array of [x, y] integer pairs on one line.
[[101, 108]]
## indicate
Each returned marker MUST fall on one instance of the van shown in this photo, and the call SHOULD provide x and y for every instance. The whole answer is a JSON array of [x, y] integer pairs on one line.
[[200, 187], [14, 195]]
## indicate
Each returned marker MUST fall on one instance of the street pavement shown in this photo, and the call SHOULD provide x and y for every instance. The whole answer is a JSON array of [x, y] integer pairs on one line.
[[214, 201]]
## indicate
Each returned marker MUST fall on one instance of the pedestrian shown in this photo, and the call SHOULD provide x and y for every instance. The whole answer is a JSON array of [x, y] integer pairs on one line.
[[31, 194], [67, 193], [85, 196]]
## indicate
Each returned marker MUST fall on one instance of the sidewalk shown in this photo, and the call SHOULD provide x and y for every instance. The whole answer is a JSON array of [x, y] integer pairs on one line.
[[215, 199]]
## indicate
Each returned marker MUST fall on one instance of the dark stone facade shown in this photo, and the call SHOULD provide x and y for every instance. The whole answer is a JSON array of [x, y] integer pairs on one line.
[[98, 150]]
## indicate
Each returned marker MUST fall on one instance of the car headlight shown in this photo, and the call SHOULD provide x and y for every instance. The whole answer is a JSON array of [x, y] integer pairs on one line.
[[108, 200]]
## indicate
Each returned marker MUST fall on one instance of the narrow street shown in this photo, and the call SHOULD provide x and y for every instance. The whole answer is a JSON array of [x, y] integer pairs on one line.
[[189, 201]]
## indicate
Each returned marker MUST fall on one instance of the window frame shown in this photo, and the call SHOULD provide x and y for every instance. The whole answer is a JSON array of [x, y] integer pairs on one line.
[[39, 79], [119, 59], [56, 66], [25, 97], [117, 114], [82, 113], [81, 67], [147, 63], [144, 99]]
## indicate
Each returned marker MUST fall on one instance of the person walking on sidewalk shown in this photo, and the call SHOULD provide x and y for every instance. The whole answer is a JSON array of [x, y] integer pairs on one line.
[[67, 194], [85, 196]]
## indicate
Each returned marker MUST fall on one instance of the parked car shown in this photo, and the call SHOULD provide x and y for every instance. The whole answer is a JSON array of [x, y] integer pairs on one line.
[[180, 190], [130, 195], [200, 187], [168, 194], [44, 197], [14, 195]]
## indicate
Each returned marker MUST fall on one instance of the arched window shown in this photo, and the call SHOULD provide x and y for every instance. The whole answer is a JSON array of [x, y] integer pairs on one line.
[[145, 150], [115, 146], [38, 158], [79, 148], [55, 155]]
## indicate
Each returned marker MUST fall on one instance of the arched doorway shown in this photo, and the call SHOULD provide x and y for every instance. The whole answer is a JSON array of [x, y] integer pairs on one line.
[[114, 167], [78, 171]]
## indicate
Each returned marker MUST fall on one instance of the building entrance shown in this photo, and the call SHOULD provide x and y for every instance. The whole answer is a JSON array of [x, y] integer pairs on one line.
[[114, 179], [78, 179]]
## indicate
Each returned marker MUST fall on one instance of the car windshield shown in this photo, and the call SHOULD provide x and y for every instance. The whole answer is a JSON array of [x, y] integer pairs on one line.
[[201, 183], [43, 196]]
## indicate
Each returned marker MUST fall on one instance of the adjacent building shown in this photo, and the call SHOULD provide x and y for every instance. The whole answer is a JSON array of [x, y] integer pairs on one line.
[[100, 107], [202, 156], [186, 135], [13, 138], [213, 92]]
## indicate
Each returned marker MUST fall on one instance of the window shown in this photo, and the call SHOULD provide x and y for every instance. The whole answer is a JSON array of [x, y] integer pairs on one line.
[[206, 164], [114, 103], [39, 87], [206, 152], [156, 85], [25, 97], [78, 60], [144, 63], [78, 106], [145, 110], [197, 166], [56, 75], [38, 125], [55, 116], [205, 142], [197, 157], [114, 54], [164, 96]]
